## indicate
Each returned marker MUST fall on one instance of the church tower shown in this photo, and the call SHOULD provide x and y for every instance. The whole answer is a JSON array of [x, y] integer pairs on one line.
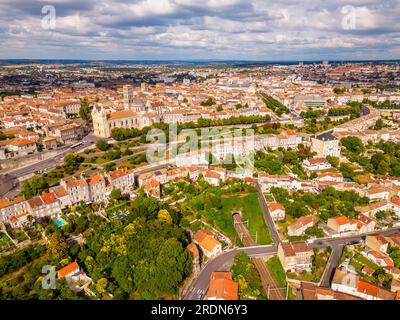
[[101, 126], [128, 96]]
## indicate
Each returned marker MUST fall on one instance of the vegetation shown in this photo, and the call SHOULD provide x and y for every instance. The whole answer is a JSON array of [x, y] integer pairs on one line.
[[20, 258], [312, 114], [383, 159], [139, 256], [275, 266], [34, 186], [85, 111], [121, 134], [274, 104], [383, 105], [246, 275], [209, 102], [102, 145], [339, 90], [328, 203]]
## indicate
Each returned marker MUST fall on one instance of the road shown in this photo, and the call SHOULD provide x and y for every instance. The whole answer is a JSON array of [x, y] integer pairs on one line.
[[87, 142], [267, 216]]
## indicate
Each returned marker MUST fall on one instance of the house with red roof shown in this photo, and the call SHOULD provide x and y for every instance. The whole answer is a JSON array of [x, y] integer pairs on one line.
[[222, 287], [343, 224], [122, 179], [277, 211]]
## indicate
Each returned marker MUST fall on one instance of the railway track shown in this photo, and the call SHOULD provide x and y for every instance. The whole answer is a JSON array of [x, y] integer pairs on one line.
[[273, 291]]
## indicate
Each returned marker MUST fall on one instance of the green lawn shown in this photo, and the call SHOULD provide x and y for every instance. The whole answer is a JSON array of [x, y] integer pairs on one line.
[[275, 266], [365, 261], [251, 211], [249, 206]]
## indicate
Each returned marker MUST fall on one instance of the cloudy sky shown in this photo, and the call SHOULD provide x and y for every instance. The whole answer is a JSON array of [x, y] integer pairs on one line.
[[200, 29]]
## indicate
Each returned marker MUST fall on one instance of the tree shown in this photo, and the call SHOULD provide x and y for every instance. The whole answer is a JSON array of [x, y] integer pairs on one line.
[[73, 160], [116, 194], [353, 144], [85, 111], [58, 246], [163, 215], [102, 145], [219, 109], [383, 168], [334, 161], [101, 285], [379, 124], [34, 186]]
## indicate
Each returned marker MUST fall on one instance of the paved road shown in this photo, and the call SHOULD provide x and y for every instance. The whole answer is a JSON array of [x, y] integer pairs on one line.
[[87, 142], [267, 216]]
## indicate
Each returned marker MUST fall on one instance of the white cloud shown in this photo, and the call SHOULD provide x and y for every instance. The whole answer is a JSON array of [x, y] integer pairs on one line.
[[252, 29]]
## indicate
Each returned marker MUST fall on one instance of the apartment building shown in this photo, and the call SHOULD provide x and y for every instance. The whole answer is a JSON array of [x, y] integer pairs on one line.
[[325, 144]]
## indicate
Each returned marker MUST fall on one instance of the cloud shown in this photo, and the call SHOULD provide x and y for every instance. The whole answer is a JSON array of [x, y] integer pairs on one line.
[[208, 29]]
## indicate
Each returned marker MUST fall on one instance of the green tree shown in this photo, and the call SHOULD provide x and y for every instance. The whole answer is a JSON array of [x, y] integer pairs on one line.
[[58, 246], [334, 161], [34, 186], [116, 194], [163, 215], [85, 111], [102, 145], [353, 144]]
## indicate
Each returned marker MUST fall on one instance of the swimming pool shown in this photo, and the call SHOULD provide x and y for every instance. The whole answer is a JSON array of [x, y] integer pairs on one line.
[[60, 222]]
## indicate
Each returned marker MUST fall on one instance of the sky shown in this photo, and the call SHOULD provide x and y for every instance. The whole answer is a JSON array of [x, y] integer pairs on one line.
[[279, 30]]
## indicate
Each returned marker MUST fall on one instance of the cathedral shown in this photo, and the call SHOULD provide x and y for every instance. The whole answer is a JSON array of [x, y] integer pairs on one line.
[[135, 115]]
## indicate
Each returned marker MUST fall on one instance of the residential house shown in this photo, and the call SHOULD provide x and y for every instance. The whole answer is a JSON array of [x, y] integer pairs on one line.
[[310, 291], [78, 190], [377, 243], [295, 256], [152, 188], [378, 193], [268, 181], [277, 211], [76, 278], [222, 287], [316, 164], [97, 185], [352, 284], [122, 179], [373, 208], [298, 227], [366, 224], [209, 246], [379, 258], [330, 177], [342, 224], [12, 207]]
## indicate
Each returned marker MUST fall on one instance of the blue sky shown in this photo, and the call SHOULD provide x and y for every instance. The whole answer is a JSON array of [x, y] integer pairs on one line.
[[206, 29]]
